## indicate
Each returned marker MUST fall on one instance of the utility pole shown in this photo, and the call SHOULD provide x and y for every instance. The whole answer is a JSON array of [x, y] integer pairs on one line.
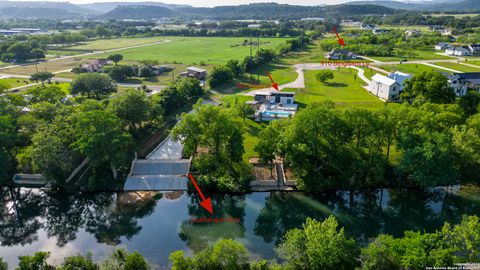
[[258, 50], [251, 75]]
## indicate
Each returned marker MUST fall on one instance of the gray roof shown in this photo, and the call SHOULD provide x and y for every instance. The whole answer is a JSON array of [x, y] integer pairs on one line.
[[472, 77], [196, 69], [156, 182], [161, 167]]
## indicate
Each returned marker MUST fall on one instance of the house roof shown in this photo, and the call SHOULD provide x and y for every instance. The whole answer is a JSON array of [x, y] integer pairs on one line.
[[383, 79], [442, 44], [334, 51], [196, 69], [472, 77]]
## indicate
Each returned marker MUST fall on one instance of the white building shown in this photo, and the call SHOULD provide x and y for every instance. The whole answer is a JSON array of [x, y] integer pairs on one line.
[[461, 83], [384, 87], [400, 78], [274, 105], [458, 51], [442, 46]]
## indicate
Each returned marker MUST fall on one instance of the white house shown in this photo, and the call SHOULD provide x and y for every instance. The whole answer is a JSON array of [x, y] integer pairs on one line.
[[462, 82], [274, 105], [442, 46], [474, 48], [400, 78], [458, 51], [384, 87]]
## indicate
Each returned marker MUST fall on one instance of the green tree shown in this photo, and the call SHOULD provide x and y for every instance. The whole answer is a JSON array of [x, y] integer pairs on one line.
[[324, 75], [189, 88], [219, 131], [132, 106], [3, 265], [101, 139], [115, 58], [378, 255], [42, 76], [224, 254], [235, 67], [120, 73], [466, 139], [428, 86], [135, 261], [37, 261], [94, 84], [464, 239], [78, 262], [318, 245], [51, 94], [220, 75], [318, 152]]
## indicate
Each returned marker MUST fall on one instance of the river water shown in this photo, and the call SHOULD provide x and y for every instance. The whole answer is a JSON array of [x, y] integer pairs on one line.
[[155, 224]]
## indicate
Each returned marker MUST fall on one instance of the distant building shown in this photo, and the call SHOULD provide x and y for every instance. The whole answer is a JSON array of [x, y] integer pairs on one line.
[[458, 51], [474, 48], [442, 46], [195, 72], [254, 25], [412, 33], [368, 26], [94, 65], [400, 78], [313, 19], [336, 54], [378, 31], [384, 87], [461, 83], [274, 105]]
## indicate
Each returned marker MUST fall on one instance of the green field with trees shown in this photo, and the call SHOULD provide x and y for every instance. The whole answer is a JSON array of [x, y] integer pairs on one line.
[[198, 50]]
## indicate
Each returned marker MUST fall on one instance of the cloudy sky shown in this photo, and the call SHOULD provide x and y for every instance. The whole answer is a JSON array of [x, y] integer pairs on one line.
[[211, 3]]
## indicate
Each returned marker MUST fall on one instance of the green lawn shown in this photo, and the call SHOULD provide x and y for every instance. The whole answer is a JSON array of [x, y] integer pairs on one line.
[[16, 82], [459, 67], [194, 50], [114, 43], [423, 54], [410, 68], [344, 90]]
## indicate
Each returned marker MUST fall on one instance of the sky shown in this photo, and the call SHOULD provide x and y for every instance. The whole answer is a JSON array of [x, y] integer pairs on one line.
[[212, 3]]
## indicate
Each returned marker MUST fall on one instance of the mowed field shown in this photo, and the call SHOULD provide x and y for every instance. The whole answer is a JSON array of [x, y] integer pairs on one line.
[[411, 68], [459, 67], [423, 54], [194, 50], [115, 43]]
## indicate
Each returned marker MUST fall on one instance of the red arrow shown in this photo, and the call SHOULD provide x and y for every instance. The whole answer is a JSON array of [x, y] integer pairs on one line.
[[274, 84], [340, 40], [205, 203]]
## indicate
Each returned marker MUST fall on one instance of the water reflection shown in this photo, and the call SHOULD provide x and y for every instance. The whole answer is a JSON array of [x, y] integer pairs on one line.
[[199, 235], [25, 211], [156, 224]]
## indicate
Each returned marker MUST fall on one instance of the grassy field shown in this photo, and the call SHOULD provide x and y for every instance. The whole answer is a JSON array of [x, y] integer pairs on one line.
[[115, 43], [459, 67], [194, 50], [344, 90], [15, 82], [52, 66], [423, 54], [410, 68]]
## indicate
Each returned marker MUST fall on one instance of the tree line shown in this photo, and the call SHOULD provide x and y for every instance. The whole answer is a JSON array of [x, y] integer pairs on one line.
[[412, 145], [225, 74], [47, 132], [316, 245], [393, 43]]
